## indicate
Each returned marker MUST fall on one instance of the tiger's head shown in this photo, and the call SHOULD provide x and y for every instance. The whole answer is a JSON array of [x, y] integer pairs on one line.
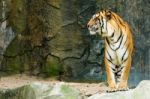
[[98, 23]]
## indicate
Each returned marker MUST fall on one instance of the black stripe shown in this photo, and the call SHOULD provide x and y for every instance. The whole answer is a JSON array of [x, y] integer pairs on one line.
[[107, 41], [112, 34], [120, 43], [120, 69], [102, 25], [125, 59], [109, 55], [99, 21], [110, 61], [125, 42], [119, 37], [118, 75], [109, 44], [114, 70], [124, 53]]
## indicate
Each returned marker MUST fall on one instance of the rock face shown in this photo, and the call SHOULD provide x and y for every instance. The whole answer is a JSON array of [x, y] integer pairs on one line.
[[50, 38], [41, 91], [140, 92]]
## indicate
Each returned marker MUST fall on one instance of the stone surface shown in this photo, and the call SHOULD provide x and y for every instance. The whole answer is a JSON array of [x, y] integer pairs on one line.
[[41, 91], [61, 90], [140, 92], [36, 32]]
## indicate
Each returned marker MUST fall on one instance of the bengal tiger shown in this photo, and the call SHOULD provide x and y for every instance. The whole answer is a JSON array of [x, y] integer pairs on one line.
[[118, 47]]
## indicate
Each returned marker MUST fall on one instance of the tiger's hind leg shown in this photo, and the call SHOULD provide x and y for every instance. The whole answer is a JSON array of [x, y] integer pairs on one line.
[[110, 77], [123, 83]]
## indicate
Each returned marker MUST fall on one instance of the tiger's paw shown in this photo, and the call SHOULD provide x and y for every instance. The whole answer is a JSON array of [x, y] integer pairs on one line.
[[112, 89], [122, 87]]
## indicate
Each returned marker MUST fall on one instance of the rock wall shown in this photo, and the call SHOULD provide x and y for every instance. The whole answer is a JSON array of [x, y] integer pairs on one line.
[[50, 38]]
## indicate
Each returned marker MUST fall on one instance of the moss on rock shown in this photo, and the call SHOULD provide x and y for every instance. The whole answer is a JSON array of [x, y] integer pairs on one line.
[[12, 49], [11, 59], [17, 17], [40, 91], [52, 67]]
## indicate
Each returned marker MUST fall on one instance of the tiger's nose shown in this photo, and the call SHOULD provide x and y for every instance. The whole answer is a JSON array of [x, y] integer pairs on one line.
[[88, 25]]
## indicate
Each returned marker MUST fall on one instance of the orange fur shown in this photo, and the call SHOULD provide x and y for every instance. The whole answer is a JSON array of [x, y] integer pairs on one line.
[[118, 24]]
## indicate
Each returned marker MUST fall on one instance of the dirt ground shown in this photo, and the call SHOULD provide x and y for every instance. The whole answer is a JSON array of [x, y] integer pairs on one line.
[[18, 80]]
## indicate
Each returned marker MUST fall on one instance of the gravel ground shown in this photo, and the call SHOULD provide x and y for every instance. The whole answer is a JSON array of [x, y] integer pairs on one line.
[[18, 80]]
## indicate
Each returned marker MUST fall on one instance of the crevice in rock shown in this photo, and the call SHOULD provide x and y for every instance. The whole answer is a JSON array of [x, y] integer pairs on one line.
[[83, 55], [51, 5]]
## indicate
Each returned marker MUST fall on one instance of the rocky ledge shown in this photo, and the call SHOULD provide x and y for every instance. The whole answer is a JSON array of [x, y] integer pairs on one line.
[[142, 91], [62, 90]]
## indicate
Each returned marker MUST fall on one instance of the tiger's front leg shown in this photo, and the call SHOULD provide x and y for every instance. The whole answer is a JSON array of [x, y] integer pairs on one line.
[[123, 84], [110, 77]]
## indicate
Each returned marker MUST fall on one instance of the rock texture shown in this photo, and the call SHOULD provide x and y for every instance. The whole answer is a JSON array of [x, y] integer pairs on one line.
[[140, 92], [61, 90], [50, 38], [41, 91]]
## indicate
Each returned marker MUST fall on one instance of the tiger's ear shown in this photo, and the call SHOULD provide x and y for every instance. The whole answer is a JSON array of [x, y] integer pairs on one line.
[[108, 14]]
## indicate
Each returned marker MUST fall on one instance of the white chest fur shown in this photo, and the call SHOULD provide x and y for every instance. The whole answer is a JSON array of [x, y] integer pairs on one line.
[[116, 49]]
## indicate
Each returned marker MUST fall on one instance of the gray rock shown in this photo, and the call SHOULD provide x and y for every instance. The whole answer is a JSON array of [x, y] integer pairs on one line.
[[41, 91], [140, 92], [63, 91]]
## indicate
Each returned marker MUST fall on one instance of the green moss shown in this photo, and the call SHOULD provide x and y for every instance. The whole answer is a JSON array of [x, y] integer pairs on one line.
[[25, 92], [69, 93], [52, 67], [13, 65], [11, 59], [17, 17], [12, 48]]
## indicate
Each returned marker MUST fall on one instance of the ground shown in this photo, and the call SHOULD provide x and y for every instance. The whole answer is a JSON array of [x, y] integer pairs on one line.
[[18, 80]]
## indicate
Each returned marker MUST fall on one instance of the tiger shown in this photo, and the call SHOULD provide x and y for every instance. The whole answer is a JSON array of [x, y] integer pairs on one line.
[[118, 47]]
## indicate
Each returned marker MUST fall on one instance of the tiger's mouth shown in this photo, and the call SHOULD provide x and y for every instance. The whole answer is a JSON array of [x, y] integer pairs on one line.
[[93, 30], [92, 33]]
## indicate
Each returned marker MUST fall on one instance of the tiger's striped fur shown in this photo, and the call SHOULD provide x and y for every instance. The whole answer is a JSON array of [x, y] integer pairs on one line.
[[118, 47]]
